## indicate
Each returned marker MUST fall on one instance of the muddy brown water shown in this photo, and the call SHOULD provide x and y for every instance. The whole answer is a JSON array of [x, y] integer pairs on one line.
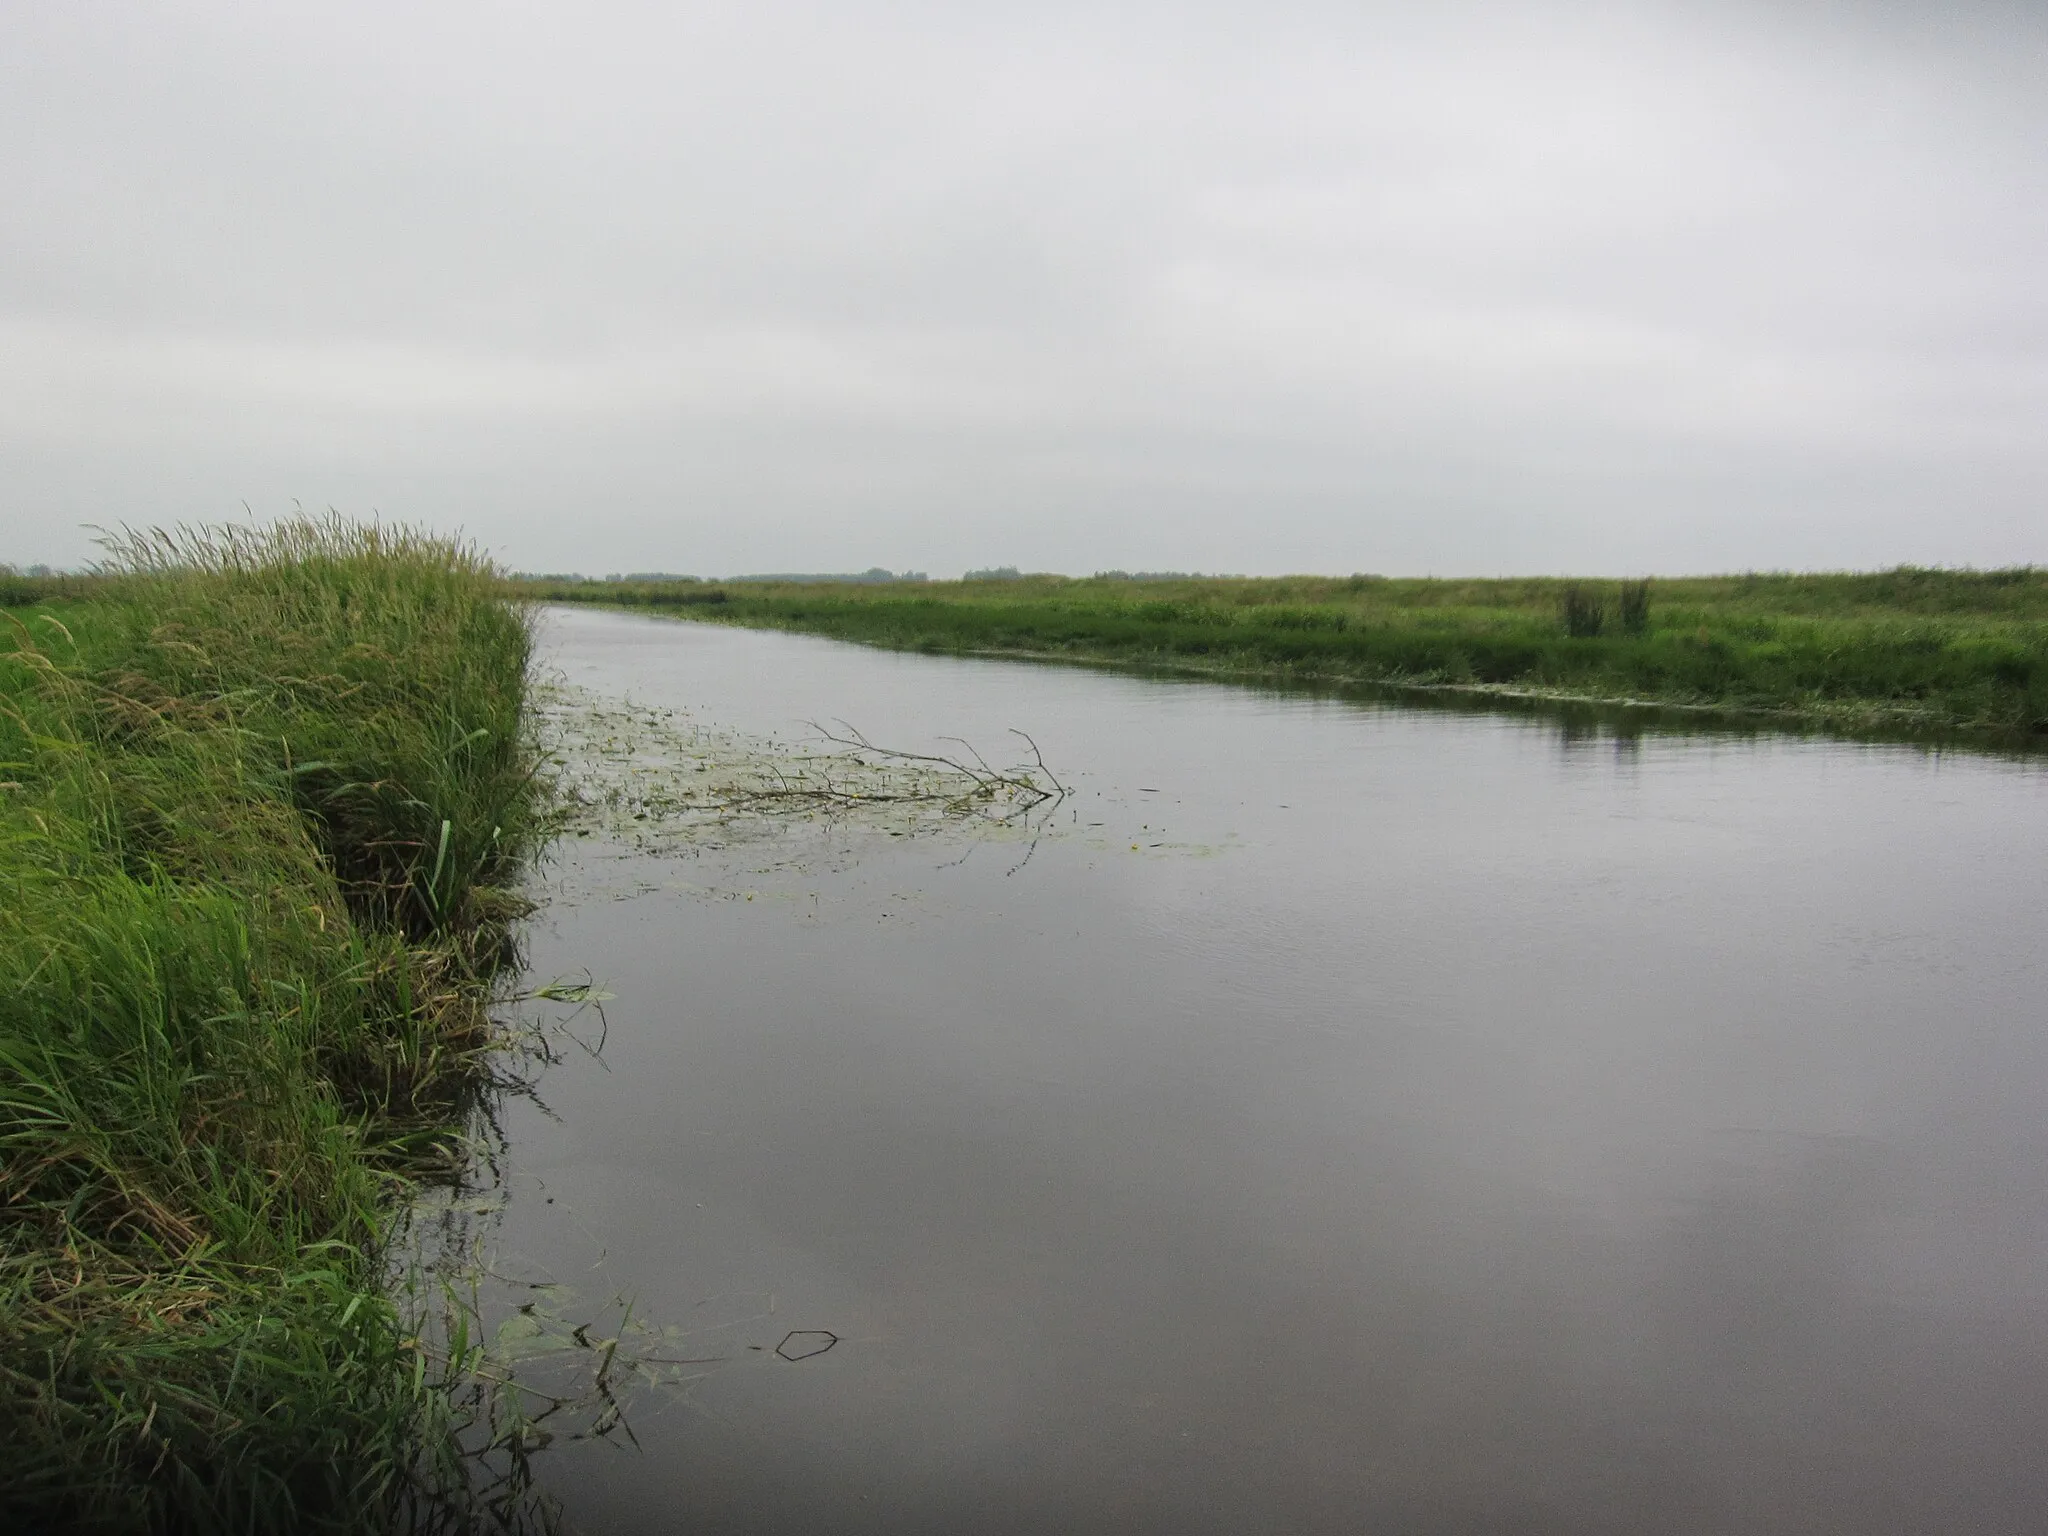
[[1455, 1124]]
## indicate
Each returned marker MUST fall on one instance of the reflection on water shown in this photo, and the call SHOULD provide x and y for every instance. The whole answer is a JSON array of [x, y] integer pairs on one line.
[[1355, 1119]]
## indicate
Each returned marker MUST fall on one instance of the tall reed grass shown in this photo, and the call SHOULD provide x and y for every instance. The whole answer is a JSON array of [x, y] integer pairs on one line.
[[261, 797]]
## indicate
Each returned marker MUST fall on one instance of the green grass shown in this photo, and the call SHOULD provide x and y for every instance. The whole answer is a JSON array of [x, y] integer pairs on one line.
[[260, 798], [1958, 654]]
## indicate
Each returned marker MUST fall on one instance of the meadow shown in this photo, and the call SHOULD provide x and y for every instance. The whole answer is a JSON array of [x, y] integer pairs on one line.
[[263, 797], [1947, 653]]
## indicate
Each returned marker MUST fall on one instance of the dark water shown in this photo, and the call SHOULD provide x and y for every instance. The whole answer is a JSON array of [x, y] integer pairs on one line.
[[1457, 1126]]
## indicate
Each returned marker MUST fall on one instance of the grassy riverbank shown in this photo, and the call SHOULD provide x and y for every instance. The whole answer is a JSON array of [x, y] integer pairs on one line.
[[1963, 653], [259, 797]]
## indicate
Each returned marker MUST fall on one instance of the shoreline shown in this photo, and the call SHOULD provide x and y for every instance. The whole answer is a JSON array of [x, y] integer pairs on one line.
[[269, 796], [1846, 719]]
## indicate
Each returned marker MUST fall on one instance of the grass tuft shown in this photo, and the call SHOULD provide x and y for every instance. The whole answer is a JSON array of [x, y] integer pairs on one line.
[[1584, 614], [1635, 607]]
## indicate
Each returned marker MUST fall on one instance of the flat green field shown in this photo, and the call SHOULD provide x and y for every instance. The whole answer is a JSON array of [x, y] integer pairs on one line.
[[1943, 653]]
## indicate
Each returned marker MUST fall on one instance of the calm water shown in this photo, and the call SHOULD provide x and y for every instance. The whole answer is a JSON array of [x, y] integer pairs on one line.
[[1453, 1126]]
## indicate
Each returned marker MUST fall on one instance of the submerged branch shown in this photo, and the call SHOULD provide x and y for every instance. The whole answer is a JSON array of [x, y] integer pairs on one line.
[[649, 778], [1031, 785]]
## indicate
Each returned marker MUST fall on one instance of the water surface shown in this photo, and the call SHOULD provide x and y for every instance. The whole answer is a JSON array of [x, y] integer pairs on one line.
[[1435, 1123]]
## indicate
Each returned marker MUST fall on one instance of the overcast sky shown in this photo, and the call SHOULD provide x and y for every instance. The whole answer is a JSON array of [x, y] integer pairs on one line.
[[1479, 287]]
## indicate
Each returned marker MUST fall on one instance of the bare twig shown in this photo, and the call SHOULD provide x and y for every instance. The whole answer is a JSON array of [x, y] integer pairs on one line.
[[1028, 786], [1038, 760]]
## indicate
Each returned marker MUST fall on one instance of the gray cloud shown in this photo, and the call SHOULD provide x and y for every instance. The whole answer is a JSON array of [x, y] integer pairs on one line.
[[1474, 287]]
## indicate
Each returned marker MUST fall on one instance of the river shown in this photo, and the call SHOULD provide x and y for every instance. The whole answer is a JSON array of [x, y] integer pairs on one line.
[[1345, 1118]]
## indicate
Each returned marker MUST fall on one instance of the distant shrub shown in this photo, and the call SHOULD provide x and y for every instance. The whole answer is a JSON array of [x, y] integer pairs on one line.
[[18, 589], [1635, 606], [1584, 615]]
